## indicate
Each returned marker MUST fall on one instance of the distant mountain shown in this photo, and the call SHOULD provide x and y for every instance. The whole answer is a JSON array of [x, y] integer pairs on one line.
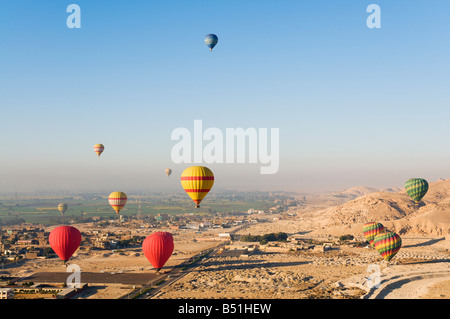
[[358, 191], [395, 210]]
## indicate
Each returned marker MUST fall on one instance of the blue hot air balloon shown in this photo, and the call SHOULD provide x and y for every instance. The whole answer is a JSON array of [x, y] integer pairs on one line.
[[211, 40]]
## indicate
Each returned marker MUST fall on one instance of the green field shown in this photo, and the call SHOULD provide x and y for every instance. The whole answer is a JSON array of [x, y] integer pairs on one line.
[[33, 209]]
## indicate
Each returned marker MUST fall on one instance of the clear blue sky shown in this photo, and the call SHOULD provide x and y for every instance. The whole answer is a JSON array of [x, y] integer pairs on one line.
[[355, 106]]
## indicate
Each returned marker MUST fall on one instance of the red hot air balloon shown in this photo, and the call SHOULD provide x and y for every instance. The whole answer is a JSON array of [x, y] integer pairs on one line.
[[158, 248], [65, 240]]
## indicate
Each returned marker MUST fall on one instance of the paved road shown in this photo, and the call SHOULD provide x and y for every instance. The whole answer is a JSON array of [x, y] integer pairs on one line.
[[177, 273]]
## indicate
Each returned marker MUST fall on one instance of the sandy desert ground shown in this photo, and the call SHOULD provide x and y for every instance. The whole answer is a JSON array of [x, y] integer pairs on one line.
[[421, 269], [130, 260]]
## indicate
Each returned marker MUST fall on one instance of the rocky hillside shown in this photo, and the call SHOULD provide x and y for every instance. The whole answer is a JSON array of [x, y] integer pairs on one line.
[[395, 210]]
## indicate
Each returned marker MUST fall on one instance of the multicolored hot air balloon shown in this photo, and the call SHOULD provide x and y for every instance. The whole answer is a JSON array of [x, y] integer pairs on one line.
[[211, 40], [416, 188], [371, 229], [65, 240], [168, 171], [388, 244], [158, 248], [62, 208], [99, 148], [197, 181], [117, 200]]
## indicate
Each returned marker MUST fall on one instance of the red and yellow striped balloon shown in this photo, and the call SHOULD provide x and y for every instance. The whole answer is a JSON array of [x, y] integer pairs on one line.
[[99, 148], [197, 181], [117, 200], [371, 229], [388, 244]]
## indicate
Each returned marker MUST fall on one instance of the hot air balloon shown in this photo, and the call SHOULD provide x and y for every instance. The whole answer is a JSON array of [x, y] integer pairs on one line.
[[416, 188], [158, 248], [99, 148], [211, 40], [197, 181], [371, 229], [65, 240], [62, 208], [388, 244], [168, 171], [117, 200]]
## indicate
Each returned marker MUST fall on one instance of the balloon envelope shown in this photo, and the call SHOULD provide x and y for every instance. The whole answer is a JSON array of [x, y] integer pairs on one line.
[[197, 181], [371, 229], [117, 200], [99, 148], [416, 188], [158, 248], [62, 208], [388, 244], [211, 40], [168, 171], [65, 240]]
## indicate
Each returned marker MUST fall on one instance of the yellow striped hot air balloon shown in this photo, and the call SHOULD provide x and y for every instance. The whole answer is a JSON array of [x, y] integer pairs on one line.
[[117, 200], [99, 148], [62, 207], [197, 181]]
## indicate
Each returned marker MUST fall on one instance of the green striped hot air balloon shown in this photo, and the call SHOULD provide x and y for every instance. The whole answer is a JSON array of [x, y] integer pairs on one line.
[[371, 229], [388, 244], [416, 188]]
